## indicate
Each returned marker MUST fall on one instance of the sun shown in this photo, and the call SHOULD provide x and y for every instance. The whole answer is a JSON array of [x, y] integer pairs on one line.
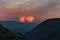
[[22, 19], [30, 18]]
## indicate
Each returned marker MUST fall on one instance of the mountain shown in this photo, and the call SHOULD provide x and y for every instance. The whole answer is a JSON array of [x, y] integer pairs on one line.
[[5, 34], [18, 26], [47, 30]]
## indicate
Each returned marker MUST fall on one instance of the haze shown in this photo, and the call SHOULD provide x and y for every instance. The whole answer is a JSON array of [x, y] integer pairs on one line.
[[11, 10]]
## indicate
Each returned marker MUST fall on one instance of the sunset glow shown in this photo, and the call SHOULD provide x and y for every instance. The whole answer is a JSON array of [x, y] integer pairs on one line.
[[22, 19], [30, 19], [27, 19], [12, 10]]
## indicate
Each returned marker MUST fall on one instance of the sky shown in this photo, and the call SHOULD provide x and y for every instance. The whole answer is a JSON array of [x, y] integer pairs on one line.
[[12, 10]]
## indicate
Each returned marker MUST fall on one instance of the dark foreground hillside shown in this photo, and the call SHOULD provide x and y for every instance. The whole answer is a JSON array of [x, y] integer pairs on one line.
[[5, 34], [47, 30]]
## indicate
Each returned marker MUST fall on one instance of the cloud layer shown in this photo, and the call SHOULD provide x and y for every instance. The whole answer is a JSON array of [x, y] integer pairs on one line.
[[41, 9]]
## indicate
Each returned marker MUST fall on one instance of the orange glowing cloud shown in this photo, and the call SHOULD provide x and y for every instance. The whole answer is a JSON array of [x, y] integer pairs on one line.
[[30, 18], [22, 19]]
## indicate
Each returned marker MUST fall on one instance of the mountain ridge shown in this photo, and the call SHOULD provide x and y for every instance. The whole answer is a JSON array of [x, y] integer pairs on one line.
[[47, 20], [5, 34], [47, 30], [18, 26]]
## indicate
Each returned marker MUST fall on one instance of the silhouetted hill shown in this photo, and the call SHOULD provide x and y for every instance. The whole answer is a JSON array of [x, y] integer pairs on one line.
[[18, 26], [47, 30], [5, 34]]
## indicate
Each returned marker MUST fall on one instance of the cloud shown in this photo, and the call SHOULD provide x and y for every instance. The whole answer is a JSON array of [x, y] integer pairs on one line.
[[41, 9]]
